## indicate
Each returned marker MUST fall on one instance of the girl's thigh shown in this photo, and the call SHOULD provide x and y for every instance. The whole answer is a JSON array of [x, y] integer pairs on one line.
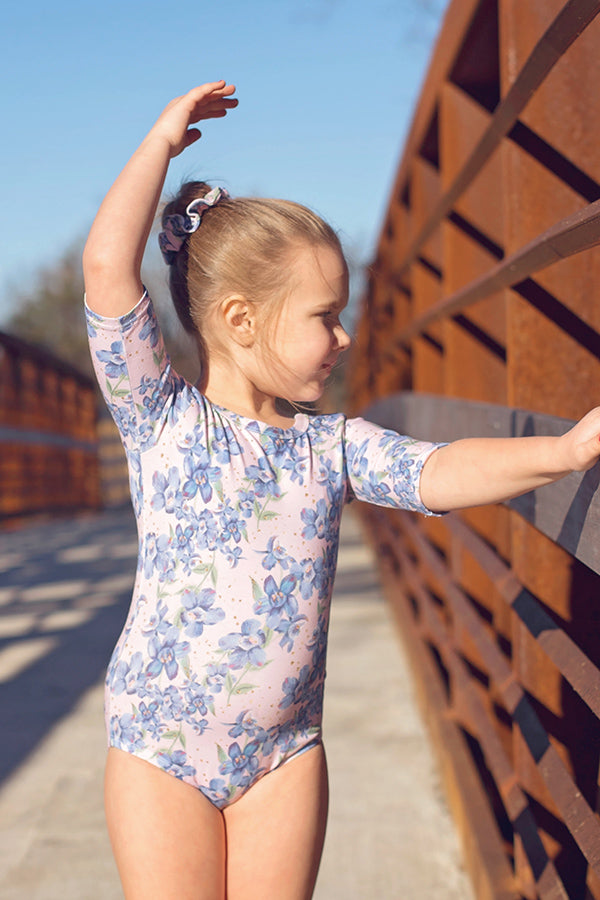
[[275, 832], [167, 838]]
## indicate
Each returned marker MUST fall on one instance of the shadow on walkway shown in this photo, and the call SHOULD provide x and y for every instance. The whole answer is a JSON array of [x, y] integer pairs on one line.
[[65, 587]]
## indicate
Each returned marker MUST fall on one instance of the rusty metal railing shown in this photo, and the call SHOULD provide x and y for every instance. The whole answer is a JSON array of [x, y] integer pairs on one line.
[[48, 441], [481, 317]]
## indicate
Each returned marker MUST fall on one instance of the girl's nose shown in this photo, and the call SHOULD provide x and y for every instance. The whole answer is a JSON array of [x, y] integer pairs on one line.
[[342, 337]]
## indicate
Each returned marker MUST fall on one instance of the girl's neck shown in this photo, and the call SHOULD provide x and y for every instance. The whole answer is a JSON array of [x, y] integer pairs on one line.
[[236, 395]]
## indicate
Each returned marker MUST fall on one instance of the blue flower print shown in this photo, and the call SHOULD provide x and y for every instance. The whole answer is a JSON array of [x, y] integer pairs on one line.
[[328, 476], [244, 724], [217, 791], [406, 475], [289, 629], [206, 530], [224, 445], [318, 644], [192, 440], [172, 704], [286, 741], [311, 575], [199, 726], [168, 495], [295, 688], [231, 526], [153, 399], [242, 764], [127, 733], [232, 555], [245, 503], [149, 713], [275, 555], [277, 447], [267, 739], [158, 555], [375, 488], [279, 600], [164, 654], [158, 622], [263, 478], [246, 646], [150, 331], [128, 676], [176, 763], [315, 521], [197, 701], [183, 539], [201, 476], [116, 364], [197, 611], [124, 419], [215, 677], [148, 385], [357, 457], [298, 467]]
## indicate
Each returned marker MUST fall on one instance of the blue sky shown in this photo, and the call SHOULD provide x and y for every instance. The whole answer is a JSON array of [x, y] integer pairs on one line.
[[326, 88]]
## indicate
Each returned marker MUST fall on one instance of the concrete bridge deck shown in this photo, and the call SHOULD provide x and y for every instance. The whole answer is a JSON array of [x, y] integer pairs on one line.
[[64, 591]]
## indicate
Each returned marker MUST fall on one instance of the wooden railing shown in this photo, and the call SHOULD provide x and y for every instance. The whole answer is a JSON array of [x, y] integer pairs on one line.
[[48, 440], [481, 317]]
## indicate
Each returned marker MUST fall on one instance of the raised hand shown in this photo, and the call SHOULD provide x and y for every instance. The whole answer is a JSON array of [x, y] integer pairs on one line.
[[208, 101], [113, 253]]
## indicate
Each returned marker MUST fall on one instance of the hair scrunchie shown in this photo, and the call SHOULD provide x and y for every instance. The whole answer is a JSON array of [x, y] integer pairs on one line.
[[177, 227]]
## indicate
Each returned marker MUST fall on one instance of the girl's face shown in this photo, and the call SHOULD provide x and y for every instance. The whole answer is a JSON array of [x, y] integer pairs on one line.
[[308, 337]]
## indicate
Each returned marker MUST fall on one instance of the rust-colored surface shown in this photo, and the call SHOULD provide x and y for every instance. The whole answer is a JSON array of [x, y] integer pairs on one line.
[[48, 440], [484, 287]]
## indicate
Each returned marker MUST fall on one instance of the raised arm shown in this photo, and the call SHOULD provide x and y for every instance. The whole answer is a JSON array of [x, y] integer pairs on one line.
[[476, 471], [113, 253]]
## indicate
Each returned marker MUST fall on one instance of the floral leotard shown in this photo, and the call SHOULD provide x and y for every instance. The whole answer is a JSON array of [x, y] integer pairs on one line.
[[218, 674]]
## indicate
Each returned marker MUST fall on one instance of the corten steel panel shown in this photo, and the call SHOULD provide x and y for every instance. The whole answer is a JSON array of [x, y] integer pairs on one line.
[[566, 98], [427, 351], [549, 370], [512, 189], [463, 122], [475, 367], [425, 192]]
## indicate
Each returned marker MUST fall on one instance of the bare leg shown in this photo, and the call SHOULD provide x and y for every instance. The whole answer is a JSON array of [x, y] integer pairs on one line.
[[275, 832], [168, 839]]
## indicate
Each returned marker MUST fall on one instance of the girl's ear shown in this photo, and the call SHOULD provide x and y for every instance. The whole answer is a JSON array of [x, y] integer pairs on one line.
[[239, 319]]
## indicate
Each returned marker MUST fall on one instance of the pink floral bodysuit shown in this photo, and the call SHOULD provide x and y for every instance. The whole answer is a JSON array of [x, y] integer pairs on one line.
[[218, 674]]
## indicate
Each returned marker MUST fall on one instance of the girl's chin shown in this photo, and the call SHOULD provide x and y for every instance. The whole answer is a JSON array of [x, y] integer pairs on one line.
[[308, 396]]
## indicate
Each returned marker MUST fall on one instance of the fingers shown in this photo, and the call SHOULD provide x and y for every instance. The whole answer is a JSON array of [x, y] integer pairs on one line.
[[191, 136]]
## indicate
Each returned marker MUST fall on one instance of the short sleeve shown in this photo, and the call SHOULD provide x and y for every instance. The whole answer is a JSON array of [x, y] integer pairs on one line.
[[133, 370], [384, 467]]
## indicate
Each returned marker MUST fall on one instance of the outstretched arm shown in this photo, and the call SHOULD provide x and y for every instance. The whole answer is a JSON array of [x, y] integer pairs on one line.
[[113, 253], [476, 471]]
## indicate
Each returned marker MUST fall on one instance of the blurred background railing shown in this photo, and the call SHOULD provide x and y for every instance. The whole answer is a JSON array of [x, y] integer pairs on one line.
[[48, 437], [481, 317], [56, 455]]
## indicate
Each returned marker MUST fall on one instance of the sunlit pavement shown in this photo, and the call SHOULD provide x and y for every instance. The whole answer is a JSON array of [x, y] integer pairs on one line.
[[64, 591]]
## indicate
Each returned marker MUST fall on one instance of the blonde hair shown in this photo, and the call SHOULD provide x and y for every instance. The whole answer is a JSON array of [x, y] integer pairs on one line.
[[244, 245]]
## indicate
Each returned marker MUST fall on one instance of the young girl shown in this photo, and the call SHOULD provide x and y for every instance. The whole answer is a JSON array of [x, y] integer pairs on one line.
[[216, 782]]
